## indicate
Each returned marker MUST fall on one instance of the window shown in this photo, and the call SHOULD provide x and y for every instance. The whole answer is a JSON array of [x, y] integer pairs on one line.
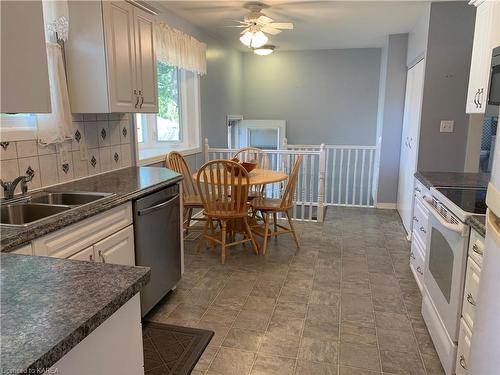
[[176, 125], [17, 127]]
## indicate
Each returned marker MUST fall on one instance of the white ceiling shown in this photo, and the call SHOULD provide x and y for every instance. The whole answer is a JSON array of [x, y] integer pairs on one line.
[[318, 24]]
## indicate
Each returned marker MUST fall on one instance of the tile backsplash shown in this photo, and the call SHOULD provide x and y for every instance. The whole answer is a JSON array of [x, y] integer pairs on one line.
[[102, 143]]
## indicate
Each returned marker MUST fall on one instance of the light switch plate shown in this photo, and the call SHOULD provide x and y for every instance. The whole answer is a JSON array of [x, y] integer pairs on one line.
[[83, 152], [446, 126]]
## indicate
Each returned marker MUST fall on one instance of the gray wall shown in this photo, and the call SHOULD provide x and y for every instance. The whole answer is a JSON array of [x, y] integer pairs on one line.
[[417, 38], [326, 96], [390, 116], [449, 49]]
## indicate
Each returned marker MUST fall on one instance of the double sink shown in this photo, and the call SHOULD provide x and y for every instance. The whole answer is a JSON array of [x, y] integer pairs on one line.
[[28, 210]]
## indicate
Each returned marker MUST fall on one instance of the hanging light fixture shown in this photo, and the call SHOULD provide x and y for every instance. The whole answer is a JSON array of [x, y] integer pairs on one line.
[[265, 50], [254, 39]]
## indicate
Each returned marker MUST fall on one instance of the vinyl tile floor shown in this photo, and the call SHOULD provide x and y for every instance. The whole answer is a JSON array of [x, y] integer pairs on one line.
[[344, 303]]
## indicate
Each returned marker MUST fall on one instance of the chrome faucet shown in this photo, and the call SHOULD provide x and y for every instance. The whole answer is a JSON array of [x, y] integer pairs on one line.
[[10, 186]]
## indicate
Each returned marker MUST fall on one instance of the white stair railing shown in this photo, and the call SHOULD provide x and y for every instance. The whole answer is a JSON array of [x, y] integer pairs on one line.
[[330, 175]]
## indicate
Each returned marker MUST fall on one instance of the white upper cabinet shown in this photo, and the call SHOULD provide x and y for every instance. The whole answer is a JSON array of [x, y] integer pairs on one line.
[[486, 37], [25, 77], [111, 60], [145, 61]]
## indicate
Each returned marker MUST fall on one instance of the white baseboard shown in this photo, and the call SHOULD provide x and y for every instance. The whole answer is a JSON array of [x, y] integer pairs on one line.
[[387, 206]]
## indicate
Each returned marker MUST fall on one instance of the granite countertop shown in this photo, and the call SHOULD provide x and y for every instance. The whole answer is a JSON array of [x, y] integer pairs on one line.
[[49, 305], [125, 184], [478, 223], [453, 179]]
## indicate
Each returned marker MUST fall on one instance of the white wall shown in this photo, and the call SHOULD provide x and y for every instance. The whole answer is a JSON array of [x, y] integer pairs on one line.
[[326, 96]]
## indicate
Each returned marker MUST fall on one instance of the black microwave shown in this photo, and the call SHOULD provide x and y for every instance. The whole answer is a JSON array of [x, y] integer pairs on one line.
[[494, 92]]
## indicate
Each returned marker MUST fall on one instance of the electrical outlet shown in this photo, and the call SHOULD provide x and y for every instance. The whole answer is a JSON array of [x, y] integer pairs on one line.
[[83, 152], [446, 126]]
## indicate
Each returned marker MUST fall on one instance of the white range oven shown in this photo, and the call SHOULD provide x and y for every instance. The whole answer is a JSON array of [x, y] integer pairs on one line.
[[445, 264]]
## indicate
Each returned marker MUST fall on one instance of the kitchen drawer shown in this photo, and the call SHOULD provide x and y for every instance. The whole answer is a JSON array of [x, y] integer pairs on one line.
[[76, 237], [420, 213], [417, 262], [470, 292], [420, 190], [463, 352], [476, 247]]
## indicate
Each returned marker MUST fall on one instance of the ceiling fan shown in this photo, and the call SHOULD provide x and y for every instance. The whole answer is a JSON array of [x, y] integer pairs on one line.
[[255, 24]]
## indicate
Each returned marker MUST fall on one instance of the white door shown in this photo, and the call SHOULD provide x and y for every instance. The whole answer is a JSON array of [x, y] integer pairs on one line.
[[145, 58], [119, 31], [86, 254], [409, 142], [117, 248]]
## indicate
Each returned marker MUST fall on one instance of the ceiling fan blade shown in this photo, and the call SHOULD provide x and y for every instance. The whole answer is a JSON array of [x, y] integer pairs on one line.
[[270, 30], [237, 26], [264, 19], [282, 25]]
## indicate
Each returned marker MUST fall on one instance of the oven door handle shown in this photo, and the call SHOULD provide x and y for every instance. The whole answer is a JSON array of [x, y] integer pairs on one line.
[[459, 228]]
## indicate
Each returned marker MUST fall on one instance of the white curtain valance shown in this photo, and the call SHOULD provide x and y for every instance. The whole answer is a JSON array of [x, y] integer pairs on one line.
[[176, 48]]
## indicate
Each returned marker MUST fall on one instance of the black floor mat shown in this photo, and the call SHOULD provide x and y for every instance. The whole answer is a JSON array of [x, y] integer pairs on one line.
[[172, 350]]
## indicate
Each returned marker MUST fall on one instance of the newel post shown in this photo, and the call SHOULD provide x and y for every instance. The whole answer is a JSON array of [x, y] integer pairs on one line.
[[321, 182], [205, 149]]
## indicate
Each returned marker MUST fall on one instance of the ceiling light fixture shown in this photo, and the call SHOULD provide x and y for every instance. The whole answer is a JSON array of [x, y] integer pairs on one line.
[[254, 39], [265, 50]]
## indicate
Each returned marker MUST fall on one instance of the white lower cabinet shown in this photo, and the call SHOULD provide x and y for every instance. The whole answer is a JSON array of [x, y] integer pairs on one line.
[[117, 248], [107, 237], [87, 254], [417, 262], [463, 352], [115, 347], [470, 292]]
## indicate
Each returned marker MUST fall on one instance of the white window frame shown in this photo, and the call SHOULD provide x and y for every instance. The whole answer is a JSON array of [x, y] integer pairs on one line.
[[190, 125], [18, 128]]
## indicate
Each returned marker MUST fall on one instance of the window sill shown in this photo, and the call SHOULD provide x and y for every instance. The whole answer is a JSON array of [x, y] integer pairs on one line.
[[152, 157]]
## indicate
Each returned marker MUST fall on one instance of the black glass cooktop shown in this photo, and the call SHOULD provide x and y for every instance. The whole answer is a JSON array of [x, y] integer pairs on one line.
[[471, 200]]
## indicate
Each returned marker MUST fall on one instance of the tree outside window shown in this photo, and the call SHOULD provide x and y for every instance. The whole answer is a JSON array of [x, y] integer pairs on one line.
[[168, 118]]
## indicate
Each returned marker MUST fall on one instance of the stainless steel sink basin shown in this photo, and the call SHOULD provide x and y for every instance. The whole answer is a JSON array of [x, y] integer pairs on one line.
[[26, 213], [68, 198]]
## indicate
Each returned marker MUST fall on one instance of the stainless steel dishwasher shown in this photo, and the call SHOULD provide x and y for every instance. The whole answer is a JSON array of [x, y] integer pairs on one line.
[[158, 242]]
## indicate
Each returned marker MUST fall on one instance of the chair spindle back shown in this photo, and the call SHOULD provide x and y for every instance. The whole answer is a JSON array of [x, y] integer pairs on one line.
[[287, 197], [176, 162]]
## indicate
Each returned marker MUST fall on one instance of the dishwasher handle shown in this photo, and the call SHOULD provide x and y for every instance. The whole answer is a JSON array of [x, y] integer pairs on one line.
[[157, 207]]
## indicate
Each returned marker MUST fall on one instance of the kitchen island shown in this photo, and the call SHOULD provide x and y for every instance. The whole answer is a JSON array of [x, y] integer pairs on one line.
[[56, 312]]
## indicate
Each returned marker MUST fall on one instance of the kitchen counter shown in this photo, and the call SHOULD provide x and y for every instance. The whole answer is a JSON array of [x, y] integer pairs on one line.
[[478, 223], [50, 305], [126, 184], [453, 179]]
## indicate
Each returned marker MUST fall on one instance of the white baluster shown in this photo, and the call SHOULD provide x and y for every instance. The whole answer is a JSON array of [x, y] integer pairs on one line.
[[355, 177], [322, 171], [347, 175], [370, 182], [362, 177]]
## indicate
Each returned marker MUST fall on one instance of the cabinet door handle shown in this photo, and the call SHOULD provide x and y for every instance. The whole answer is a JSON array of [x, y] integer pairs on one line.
[[470, 299], [475, 249], [415, 219], [480, 98], [412, 256], [101, 256], [137, 101], [476, 97], [422, 229], [142, 101], [419, 270], [91, 257], [462, 362], [418, 189]]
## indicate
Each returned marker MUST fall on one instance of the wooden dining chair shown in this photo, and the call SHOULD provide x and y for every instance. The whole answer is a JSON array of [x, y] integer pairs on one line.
[[248, 154], [271, 207], [223, 187], [190, 196]]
